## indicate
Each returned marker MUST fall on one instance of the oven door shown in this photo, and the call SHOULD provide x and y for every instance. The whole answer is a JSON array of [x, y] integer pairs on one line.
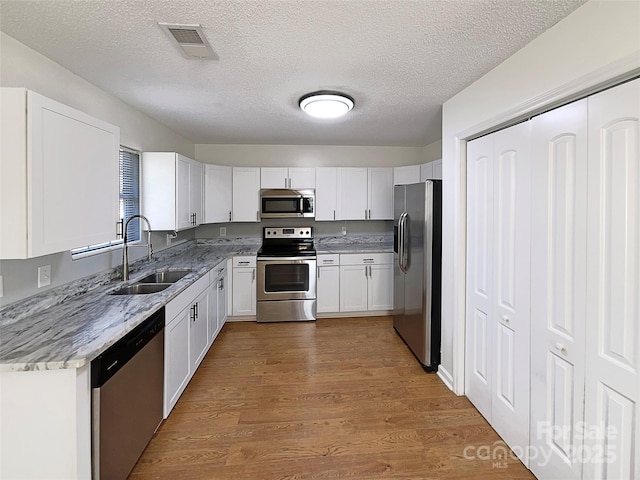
[[286, 278]]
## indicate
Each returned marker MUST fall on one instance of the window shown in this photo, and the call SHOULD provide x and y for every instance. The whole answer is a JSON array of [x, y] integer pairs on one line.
[[129, 180]]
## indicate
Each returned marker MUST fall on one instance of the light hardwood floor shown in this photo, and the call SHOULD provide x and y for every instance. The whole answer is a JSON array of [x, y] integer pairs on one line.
[[336, 398]]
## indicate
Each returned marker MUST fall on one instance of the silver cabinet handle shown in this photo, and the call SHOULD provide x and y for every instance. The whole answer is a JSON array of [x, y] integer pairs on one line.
[[318, 273], [229, 215], [334, 214], [370, 274], [258, 215], [253, 274]]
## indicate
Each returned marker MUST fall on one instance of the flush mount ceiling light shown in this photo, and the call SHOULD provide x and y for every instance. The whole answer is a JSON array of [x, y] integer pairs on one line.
[[326, 104]]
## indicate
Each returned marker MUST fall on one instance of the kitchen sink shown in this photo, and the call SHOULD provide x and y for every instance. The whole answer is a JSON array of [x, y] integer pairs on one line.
[[164, 276], [141, 289]]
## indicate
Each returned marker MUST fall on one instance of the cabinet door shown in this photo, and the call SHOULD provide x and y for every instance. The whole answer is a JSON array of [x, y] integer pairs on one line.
[[274, 177], [406, 175], [222, 299], [426, 171], [352, 194], [326, 193], [302, 178], [177, 365], [212, 312], [353, 288], [183, 195], [328, 289], [73, 172], [246, 192], [380, 287], [380, 194], [195, 192], [558, 288], [437, 169], [244, 291], [198, 330], [217, 194], [612, 381]]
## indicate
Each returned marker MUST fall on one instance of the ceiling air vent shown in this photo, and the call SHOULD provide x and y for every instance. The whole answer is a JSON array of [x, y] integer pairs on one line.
[[190, 40]]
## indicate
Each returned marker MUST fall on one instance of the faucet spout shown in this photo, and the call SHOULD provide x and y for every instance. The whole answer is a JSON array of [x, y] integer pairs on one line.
[[125, 248]]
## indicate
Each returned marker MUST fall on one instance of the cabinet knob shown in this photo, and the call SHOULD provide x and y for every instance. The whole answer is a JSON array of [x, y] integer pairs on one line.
[[561, 348], [505, 319]]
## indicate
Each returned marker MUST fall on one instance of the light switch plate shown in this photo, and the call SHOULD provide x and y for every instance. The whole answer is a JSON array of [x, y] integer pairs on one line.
[[44, 276], [223, 231]]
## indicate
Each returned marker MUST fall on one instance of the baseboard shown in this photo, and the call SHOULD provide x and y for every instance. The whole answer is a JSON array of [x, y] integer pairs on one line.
[[373, 313], [446, 377], [249, 318]]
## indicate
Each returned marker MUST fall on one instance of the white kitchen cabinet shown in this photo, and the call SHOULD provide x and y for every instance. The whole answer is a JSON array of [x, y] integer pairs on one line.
[[171, 191], [326, 193], [217, 300], [366, 282], [406, 175], [437, 169], [426, 171], [183, 350], [222, 298], [328, 283], [199, 339], [59, 182], [364, 193], [246, 194], [217, 194], [380, 194], [244, 286], [283, 177]]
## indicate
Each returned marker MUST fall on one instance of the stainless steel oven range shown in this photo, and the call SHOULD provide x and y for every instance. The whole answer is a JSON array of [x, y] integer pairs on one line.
[[286, 275]]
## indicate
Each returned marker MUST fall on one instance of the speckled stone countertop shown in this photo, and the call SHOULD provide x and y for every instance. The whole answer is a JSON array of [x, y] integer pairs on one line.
[[72, 324], [69, 326]]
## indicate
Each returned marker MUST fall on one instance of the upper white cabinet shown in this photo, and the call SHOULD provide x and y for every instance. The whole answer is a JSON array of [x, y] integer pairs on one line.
[[171, 190], [296, 178], [364, 193], [246, 194], [406, 175], [59, 177], [431, 171], [217, 194], [326, 193]]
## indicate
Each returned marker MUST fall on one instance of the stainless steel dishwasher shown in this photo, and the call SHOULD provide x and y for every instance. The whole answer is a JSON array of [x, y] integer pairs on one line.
[[127, 393]]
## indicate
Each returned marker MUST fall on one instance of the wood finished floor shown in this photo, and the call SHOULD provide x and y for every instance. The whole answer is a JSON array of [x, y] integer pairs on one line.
[[336, 398]]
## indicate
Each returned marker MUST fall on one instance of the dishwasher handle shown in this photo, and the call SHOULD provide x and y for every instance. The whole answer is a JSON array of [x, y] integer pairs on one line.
[[105, 365]]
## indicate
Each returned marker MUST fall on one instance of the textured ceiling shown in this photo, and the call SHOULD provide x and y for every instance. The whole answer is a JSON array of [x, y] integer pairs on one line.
[[399, 59]]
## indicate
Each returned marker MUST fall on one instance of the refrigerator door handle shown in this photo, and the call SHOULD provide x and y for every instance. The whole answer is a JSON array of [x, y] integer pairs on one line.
[[403, 242]]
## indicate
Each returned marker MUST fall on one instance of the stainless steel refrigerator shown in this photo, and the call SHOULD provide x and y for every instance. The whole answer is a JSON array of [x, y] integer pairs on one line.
[[417, 243]]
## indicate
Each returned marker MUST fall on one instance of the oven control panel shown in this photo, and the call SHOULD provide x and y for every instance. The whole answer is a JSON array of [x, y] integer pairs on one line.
[[288, 232]]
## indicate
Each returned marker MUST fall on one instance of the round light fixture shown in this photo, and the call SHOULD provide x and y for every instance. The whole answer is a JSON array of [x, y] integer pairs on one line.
[[325, 104]]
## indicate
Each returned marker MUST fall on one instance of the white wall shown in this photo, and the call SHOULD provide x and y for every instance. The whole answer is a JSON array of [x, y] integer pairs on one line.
[[309, 155], [21, 66], [597, 42]]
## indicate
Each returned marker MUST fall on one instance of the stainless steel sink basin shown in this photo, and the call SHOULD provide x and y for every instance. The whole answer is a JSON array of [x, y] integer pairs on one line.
[[164, 276], [141, 289]]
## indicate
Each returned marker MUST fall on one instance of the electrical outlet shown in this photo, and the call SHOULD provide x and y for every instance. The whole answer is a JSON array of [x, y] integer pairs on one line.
[[223, 231], [44, 276], [344, 230]]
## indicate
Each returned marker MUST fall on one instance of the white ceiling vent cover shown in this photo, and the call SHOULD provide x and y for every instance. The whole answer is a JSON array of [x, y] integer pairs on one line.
[[189, 39]]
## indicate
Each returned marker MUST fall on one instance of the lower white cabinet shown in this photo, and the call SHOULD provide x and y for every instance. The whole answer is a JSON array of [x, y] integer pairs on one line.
[[366, 282], [328, 283], [217, 300], [183, 345], [244, 286]]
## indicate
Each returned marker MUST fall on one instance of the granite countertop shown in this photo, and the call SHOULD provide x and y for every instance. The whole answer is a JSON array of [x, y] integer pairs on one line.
[[71, 325], [74, 323]]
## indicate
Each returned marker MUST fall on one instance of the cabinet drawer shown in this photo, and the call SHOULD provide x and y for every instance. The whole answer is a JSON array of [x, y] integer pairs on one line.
[[216, 272], [244, 261], [366, 258], [179, 303], [328, 259]]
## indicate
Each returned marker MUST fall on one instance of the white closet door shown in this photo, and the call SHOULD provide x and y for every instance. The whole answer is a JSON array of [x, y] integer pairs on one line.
[[511, 286], [613, 284], [558, 289], [479, 333]]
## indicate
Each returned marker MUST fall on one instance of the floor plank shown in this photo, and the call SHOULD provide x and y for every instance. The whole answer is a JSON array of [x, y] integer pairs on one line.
[[336, 398]]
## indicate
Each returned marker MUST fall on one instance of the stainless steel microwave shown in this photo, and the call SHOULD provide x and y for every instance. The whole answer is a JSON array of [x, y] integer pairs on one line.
[[286, 203]]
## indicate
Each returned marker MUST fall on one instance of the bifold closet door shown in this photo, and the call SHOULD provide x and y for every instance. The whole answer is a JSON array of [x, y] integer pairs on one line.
[[498, 290], [613, 285], [558, 289]]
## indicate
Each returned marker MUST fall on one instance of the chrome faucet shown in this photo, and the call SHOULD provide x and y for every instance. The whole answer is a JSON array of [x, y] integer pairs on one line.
[[125, 252]]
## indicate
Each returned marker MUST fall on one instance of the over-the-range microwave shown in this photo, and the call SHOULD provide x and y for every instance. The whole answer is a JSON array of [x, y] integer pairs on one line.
[[287, 203]]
